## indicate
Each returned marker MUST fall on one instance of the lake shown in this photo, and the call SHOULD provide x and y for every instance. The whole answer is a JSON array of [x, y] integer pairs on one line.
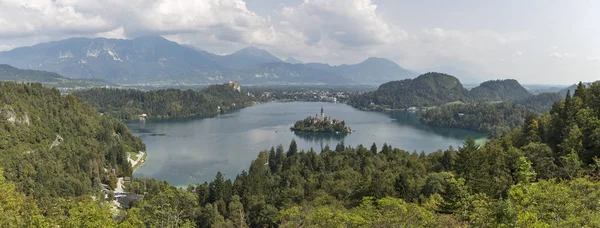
[[187, 151]]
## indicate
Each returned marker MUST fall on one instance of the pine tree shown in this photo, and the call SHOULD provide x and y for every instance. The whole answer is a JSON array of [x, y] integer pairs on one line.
[[293, 148], [465, 163], [374, 149], [237, 214]]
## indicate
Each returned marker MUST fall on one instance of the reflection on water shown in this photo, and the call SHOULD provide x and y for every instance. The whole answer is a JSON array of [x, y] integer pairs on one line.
[[319, 136], [189, 150], [412, 119]]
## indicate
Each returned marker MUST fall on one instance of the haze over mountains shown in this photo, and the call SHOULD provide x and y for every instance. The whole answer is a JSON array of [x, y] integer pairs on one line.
[[10, 73], [154, 59]]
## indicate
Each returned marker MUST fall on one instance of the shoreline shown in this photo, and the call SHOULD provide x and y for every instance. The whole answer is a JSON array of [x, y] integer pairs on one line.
[[140, 161]]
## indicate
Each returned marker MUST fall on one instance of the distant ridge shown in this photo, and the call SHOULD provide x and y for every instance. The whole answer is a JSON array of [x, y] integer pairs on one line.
[[156, 60], [10, 73], [293, 60]]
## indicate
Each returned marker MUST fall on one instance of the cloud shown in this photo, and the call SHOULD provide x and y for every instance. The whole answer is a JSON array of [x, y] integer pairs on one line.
[[353, 23], [331, 31], [45, 17], [224, 19], [565, 55], [335, 31], [6, 47], [592, 58]]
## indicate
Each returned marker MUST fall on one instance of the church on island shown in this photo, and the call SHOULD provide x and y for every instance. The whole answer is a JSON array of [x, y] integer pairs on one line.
[[320, 123]]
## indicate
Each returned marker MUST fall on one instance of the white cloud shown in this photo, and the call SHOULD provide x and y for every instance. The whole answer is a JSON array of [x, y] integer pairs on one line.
[[331, 31], [353, 23], [45, 17], [223, 19], [6, 47], [565, 55], [335, 31], [592, 58], [118, 33]]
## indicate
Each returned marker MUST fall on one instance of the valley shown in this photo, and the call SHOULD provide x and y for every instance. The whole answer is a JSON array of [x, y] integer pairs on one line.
[[181, 137]]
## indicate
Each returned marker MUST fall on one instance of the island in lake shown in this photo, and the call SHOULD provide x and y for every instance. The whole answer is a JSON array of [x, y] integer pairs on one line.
[[321, 124]]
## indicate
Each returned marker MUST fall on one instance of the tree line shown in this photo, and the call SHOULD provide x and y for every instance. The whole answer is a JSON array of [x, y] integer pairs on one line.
[[127, 104], [494, 119]]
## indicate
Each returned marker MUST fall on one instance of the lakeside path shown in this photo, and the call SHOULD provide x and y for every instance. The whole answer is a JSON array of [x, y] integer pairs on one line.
[[119, 188], [139, 158]]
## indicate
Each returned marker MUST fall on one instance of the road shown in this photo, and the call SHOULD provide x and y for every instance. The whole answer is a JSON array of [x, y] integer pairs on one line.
[[133, 163]]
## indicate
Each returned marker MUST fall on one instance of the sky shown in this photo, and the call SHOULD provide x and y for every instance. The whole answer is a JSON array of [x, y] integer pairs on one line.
[[533, 41]]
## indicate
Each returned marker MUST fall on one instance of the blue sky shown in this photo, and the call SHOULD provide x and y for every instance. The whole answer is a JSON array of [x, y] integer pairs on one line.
[[534, 41]]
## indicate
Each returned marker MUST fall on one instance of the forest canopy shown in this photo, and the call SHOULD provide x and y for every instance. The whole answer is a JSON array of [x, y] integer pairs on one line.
[[542, 174], [128, 104], [59, 146]]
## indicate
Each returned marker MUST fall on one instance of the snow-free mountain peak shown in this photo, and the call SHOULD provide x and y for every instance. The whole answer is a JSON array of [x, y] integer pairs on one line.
[[293, 60]]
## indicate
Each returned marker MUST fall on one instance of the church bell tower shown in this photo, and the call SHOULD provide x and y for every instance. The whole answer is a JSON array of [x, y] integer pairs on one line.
[[322, 114]]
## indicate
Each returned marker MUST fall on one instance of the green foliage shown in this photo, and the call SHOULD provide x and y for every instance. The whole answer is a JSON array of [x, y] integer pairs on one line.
[[429, 89], [499, 90], [557, 204], [53, 145], [540, 103], [9, 73], [170, 103], [494, 107], [312, 124], [169, 207], [17, 210], [493, 119], [434, 89], [530, 177]]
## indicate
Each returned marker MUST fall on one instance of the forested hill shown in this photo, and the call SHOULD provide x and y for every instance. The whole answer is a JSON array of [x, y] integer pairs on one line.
[[434, 89], [52, 145], [170, 103], [429, 89], [10, 73], [499, 90]]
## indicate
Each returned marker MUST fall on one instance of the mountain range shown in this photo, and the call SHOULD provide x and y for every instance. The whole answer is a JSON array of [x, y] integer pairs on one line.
[[154, 59]]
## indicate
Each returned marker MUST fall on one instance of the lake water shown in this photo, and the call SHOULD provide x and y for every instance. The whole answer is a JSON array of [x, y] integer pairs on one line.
[[193, 150]]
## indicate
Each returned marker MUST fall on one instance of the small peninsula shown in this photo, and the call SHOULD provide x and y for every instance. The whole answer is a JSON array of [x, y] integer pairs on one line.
[[320, 124]]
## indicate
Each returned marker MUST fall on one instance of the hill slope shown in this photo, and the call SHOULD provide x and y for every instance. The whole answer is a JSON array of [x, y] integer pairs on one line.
[[374, 71], [52, 145], [370, 71], [246, 59], [286, 73], [429, 89], [10, 73], [499, 90]]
